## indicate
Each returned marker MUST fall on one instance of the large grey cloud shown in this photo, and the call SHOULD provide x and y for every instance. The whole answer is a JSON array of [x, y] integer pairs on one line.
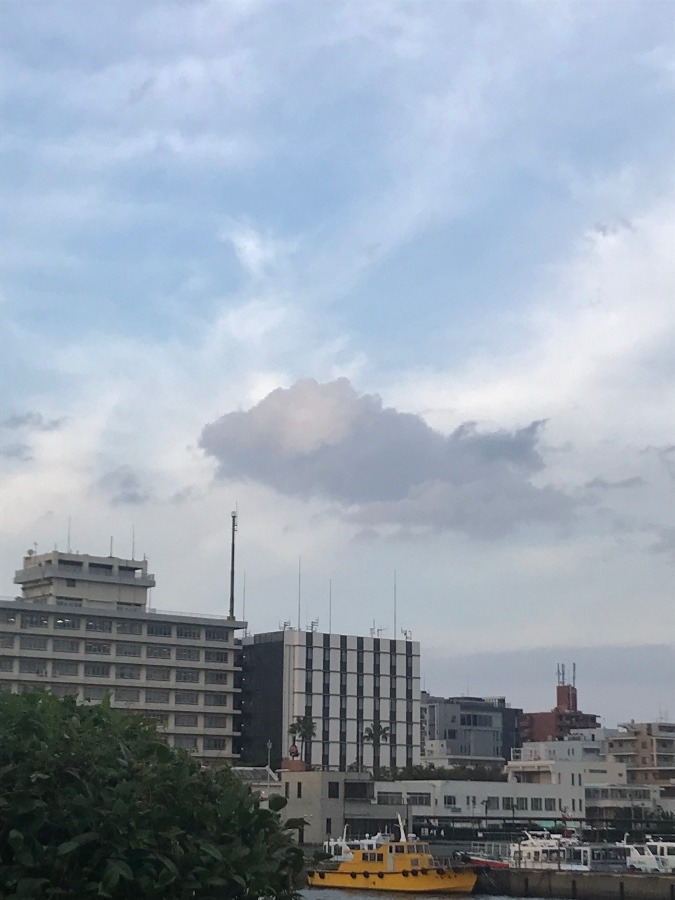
[[32, 421], [387, 466]]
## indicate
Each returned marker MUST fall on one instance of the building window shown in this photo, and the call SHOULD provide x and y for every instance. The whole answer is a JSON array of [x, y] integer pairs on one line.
[[286, 789], [158, 673], [299, 790], [156, 695], [187, 698], [94, 692], [128, 649], [334, 790], [159, 629], [98, 648], [186, 720], [130, 673], [220, 656], [33, 666], [536, 804], [127, 695], [418, 799], [32, 642], [97, 670], [6, 641], [390, 798], [161, 718], [185, 741], [521, 802], [450, 800], [192, 632], [65, 690], [64, 667], [507, 803], [187, 675], [212, 699], [158, 651], [549, 804], [216, 633], [6, 664], [99, 624], [7, 617], [34, 620], [65, 645], [215, 720], [187, 653], [216, 743], [216, 677], [129, 627]]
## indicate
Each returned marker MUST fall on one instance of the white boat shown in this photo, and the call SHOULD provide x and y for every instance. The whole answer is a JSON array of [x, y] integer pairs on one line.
[[664, 852], [640, 858], [543, 850]]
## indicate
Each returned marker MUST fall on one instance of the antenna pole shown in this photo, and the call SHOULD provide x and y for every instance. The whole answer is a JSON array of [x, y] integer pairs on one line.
[[394, 604], [111, 545], [330, 606], [68, 534], [234, 530], [133, 541], [243, 600]]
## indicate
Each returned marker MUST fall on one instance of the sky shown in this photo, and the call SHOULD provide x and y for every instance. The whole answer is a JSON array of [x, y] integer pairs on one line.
[[395, 281]]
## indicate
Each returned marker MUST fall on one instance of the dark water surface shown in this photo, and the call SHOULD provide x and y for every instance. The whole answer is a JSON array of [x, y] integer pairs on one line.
[[328, 894]]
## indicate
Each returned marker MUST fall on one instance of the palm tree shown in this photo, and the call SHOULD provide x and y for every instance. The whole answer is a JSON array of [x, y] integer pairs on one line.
[[376, 734], [304, 728]]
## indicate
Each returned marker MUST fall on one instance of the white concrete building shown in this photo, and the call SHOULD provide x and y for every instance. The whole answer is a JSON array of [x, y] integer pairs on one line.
[[83, 630], [345, 684]]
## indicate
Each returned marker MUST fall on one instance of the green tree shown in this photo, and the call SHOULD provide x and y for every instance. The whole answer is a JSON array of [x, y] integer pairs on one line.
[[93, 803], [304, 729], [376, 734]]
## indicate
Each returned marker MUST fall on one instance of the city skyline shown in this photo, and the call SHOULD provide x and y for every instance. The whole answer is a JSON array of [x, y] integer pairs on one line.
[[393, 280]]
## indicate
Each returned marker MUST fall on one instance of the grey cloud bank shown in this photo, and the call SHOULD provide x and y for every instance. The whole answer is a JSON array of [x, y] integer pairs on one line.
[[328, 441]]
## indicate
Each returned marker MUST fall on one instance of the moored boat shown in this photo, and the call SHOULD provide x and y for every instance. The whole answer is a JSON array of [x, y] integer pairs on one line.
[[381, 863]]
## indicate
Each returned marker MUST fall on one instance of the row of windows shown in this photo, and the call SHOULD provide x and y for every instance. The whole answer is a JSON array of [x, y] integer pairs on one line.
[[65, 667], [103, 624], [133, 695], [105, 648]]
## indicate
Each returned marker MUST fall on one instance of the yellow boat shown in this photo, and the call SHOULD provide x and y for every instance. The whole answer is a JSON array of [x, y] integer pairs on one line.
[[381, 863]]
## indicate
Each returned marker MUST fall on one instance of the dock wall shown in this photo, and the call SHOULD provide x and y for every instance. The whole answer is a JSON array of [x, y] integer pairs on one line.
[[577, 885]]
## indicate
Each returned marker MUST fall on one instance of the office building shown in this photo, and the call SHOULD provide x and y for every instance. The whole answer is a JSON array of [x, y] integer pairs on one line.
[[564, 718], [83, 629], [345, 685], [468, 731]]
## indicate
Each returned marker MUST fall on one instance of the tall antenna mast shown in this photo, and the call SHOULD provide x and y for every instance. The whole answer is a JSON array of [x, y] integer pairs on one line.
[[394, 604], [243, 601], [68, 534], [234, 531], [330, 605]]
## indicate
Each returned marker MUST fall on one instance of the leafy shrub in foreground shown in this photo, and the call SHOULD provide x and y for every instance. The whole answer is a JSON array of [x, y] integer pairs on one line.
[[93, 803]]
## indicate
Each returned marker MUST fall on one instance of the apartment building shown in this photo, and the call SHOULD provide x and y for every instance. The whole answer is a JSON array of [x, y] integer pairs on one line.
[[561, 720], [345, 684], [83, 629], [648, 751], [468, 731]]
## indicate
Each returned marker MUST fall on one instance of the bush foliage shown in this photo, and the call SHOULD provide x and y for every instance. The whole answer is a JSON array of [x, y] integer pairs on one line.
[[93, 803]]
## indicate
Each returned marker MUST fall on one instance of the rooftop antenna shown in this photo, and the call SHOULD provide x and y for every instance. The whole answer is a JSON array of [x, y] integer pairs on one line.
[[68, 541], [574, 674], [133, 541], [407, 633], [330, 605], [299, 587], [562, 669], [111, 545], [394, 604], [234, 531]]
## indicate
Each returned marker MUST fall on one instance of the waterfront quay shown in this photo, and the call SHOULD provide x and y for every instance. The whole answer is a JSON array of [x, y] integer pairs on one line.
[[575, 885]]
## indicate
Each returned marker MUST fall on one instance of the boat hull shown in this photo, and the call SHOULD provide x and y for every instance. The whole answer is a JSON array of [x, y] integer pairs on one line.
[[434, 881]]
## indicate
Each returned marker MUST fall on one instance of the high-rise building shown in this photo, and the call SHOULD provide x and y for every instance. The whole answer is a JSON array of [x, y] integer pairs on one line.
[[83, 629], [351, 688]]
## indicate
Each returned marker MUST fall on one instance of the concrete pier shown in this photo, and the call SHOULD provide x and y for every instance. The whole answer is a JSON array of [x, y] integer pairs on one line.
[[576, 885]]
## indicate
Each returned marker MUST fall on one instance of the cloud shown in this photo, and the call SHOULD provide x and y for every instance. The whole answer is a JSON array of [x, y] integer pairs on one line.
[[601, 484], [123, 486], [21, 452], [325, 440], [33, 421], [665, 542]]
